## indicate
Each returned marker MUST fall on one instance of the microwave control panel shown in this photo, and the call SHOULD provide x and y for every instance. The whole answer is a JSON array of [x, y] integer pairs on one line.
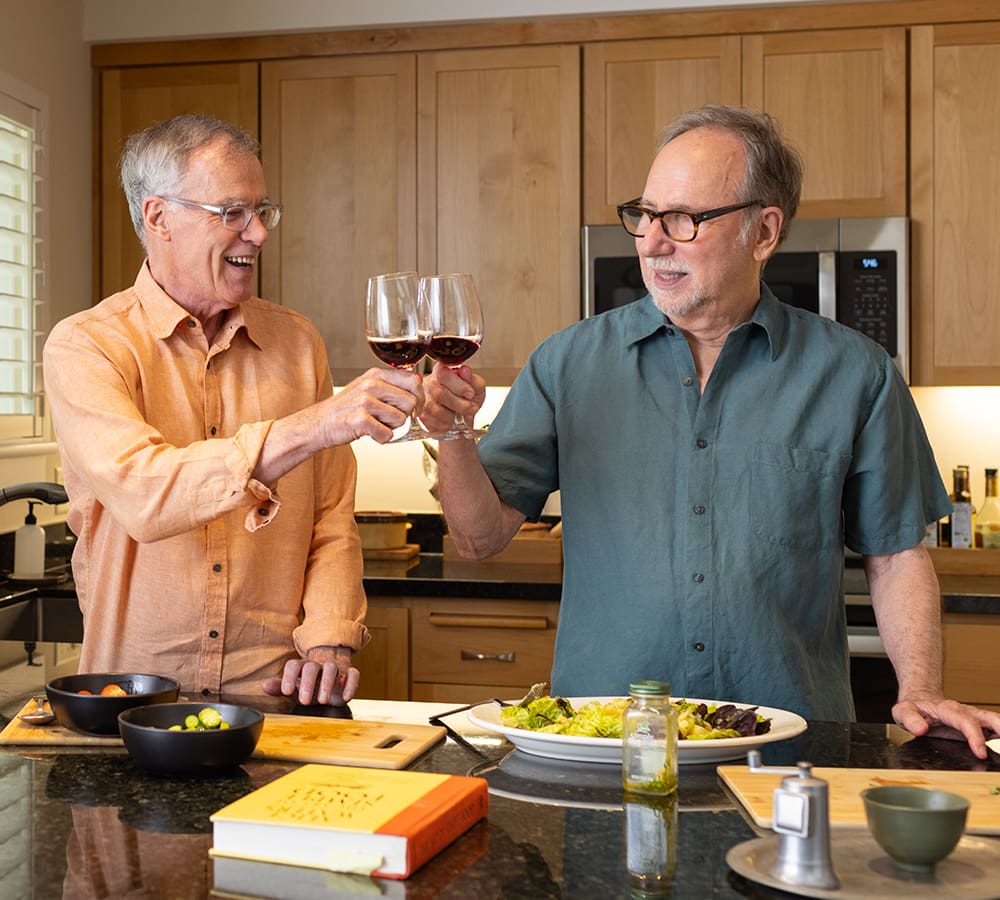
[[867, 295]]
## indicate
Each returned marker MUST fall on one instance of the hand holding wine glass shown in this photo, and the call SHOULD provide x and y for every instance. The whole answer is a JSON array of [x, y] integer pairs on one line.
[[397, 329], [456, 323]]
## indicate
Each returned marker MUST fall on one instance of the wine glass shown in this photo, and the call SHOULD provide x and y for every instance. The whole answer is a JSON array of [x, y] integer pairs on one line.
[[456, 322], [397, 330]]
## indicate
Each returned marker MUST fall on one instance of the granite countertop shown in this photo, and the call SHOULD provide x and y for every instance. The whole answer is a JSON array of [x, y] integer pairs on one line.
[[93, 820]]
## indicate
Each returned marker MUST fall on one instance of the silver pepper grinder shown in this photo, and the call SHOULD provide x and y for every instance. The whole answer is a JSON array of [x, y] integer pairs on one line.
[[801, 819]]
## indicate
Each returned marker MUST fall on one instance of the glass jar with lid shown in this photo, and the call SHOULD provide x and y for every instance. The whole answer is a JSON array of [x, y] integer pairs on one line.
[[649, 739]]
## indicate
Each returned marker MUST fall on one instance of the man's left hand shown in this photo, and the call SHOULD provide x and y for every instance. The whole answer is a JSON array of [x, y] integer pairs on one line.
[[326, 676], [938, 717]]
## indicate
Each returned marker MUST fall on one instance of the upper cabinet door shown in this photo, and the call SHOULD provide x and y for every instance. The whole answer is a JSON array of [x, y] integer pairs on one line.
[[339, 154], [132, 99], [840, 97], [955, 186], [632, 89], [499, 189]]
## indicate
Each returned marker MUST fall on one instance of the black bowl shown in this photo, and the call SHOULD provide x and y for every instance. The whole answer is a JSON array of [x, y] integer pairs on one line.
[[94, 714], [155, 748]]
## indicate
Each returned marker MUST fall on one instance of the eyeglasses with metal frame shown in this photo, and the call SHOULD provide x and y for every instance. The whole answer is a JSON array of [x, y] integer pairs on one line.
[[237, 217], [678, 225]]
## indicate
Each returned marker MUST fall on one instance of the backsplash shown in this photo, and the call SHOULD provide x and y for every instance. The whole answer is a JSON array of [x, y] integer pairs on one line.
[[962, 424]]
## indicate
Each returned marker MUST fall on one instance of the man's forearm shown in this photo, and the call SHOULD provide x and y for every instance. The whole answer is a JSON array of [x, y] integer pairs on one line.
[[479, 522], [907, 601]]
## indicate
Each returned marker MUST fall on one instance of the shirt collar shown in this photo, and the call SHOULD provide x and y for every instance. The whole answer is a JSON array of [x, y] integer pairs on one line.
[[644, 319], [166, 314]]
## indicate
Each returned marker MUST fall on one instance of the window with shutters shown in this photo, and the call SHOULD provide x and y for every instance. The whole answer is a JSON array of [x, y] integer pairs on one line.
[[22, 265]]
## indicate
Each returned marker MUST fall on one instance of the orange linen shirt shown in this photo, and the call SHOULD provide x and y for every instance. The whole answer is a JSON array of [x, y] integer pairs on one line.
[[185, 566]]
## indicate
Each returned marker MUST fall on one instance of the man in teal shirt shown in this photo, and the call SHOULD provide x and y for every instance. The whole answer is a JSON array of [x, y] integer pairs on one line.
[[715, 450]]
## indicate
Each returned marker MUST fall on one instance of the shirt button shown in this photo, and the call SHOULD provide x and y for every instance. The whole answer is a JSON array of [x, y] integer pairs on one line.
[[213, 633], [191, 323], [698, 577], [699, 646], [687, 381], [216, 568], [670, 331], [701, 443], [698, 510]]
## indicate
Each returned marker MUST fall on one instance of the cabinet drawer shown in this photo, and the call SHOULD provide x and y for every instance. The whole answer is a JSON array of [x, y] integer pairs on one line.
[[971, 666], [506, 642]]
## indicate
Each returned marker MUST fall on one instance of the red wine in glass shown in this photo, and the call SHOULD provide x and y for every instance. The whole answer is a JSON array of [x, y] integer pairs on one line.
[[397, 329], [403, 354], [451, 349]]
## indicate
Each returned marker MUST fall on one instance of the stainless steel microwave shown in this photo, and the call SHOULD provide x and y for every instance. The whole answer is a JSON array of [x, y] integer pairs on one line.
[[852, 270]]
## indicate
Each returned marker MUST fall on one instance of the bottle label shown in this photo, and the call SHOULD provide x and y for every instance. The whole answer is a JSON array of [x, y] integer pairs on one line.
[[961, 525], [931, 535]]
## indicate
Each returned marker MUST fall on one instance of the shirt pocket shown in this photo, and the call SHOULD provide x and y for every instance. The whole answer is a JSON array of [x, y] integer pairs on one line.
[[796, 496]]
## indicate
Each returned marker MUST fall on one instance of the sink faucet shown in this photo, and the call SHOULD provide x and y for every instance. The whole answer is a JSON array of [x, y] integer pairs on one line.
[[46, 491]]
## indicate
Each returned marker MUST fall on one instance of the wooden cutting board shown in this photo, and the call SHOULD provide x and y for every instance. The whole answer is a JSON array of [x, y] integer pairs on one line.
[[755, 790], [350, 742], [407, 551]]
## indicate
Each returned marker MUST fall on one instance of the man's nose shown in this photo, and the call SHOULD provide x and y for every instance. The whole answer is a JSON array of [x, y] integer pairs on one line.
[[654, 242], [255, 232]]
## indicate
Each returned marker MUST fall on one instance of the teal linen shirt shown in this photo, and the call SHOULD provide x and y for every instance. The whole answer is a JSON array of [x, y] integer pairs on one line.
[[704, 533]]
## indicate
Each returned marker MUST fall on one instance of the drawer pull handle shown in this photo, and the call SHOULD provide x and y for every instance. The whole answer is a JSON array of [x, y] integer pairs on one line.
[[507, 657], [452, 620]]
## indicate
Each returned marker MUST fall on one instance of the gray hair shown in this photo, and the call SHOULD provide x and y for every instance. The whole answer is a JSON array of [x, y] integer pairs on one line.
[[773, 171], [154, 161]]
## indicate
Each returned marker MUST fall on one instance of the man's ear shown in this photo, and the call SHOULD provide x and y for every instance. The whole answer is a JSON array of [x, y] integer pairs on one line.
[[768, 231], [154, 216]]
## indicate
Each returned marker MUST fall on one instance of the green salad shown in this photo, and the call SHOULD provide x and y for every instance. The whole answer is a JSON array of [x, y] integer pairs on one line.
[[695, 721]]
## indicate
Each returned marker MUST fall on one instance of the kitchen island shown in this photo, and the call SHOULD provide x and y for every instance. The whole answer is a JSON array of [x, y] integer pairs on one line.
[[90, 824]]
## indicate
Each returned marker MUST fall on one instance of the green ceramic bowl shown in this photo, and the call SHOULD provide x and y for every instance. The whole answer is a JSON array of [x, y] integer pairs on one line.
[[917, 827]]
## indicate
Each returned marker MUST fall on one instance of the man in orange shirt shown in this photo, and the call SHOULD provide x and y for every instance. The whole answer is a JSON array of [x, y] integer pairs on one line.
[[207, 461]]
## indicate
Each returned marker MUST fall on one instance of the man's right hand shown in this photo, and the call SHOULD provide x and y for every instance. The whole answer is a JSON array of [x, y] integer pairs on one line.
[[374, 404]]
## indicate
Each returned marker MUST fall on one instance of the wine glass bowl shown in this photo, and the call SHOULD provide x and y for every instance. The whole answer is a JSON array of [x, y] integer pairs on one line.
[[397, 329], [456, 324]]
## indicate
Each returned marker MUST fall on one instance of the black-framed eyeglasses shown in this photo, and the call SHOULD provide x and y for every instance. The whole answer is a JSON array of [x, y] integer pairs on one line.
[[236, 218], [677, 224]]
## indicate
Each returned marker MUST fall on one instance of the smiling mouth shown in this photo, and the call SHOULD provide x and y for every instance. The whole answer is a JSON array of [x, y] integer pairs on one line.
[[243, 262]]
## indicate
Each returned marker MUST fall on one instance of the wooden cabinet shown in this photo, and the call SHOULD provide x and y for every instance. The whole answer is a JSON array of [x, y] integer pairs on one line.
[[971, 664], [385, 663], [840, 97], [132, 99], [498, 154], [955, 183], [631, 90], [467, 650], [339, 152], [456, 650]]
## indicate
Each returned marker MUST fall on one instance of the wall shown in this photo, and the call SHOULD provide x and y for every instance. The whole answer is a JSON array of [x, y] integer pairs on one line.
[[41, 46]]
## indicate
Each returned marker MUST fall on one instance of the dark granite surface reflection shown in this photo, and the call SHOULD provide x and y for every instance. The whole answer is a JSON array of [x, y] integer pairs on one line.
[[93, 825]]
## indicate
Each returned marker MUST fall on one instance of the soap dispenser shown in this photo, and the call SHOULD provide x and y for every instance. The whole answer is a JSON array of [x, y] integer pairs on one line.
[[29, 548]]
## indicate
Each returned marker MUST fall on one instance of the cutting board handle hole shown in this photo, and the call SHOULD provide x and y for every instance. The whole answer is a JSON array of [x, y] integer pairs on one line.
[[389, 743]]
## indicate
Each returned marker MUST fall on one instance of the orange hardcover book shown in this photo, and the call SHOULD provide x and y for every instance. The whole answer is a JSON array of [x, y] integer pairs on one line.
[[385, 823]]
